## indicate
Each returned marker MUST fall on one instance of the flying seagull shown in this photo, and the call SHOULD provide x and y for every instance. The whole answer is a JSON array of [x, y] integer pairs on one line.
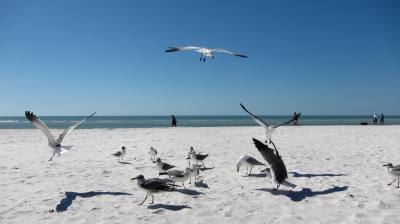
[[152, 185], [393, 172], [198, 158], [277, 167], [269, 130], [153, 153], [248, 161], [120, 154], [162, 167], [204, 51], [54, 144]]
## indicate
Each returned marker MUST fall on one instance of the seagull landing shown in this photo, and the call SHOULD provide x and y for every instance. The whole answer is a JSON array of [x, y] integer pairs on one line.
[[269, 130], [54, 144], [277, 167], [162, 167], [153, 153], [248, 161], [206, 52], [393, 172], [152, 185], [120, 154]]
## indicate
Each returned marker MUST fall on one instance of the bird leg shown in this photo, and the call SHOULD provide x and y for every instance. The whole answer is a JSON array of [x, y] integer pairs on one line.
[[143, 200], [183, 185], [152, 199], [250, 170], [392, 182], [59, 154], [204, 167], [190, 180], [201, 57], [397, 183], [51, 157]]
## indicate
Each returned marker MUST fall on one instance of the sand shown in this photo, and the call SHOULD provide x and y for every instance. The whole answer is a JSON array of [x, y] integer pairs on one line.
[[337, 169]]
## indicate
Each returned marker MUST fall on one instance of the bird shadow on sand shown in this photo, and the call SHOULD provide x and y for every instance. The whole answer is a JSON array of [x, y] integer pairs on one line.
[[297, 196], [205, 169], [71, 196], [168, 207], [255, 175], [295, 174], [126, 163], [189, 191], [201, 184]]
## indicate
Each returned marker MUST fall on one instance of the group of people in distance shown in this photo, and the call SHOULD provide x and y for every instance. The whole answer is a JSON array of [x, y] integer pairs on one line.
[[376, 119]]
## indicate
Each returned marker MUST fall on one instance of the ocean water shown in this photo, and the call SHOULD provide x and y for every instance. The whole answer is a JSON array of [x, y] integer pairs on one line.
[[62, 122]]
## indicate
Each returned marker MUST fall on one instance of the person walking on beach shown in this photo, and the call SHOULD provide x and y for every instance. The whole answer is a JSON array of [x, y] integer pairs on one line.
[[382, 119], [295, 119], [375, 118], [174, 121]]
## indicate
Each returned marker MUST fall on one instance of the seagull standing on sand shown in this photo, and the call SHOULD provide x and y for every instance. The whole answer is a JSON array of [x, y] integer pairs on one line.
[[162, 167], [153, 153], [206, 52], [277, 167], [198, 158], [180, 176], [269, 130], [195, 172], [248, 161], [120, 154], [191, 150], [54, 144], [152, 185], [393, 172]]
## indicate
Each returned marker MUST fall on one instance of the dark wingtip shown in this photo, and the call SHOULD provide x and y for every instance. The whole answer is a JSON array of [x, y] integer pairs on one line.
[[171, 50], [29, 115]]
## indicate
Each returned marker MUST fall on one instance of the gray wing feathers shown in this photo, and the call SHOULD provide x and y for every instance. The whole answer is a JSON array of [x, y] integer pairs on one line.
[[258, 120], [266, 152], [176, 173], [65, 133], [41, 126], [167, 166], [117, 153], [253, 161], [226, 51]]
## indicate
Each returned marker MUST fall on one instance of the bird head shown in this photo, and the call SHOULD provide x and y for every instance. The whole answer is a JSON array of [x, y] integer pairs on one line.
[[138, 177], [388, 165], [123, 148], [158, 160]]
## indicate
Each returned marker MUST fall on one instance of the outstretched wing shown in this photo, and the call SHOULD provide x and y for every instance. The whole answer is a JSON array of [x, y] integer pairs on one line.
[[41, 126], [258, 120], [65, 133], [287, 122], [226, 51], [266, 152], [173, 49]]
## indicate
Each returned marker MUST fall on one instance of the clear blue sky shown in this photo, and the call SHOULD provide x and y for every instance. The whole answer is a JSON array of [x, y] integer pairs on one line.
[[316, 57]]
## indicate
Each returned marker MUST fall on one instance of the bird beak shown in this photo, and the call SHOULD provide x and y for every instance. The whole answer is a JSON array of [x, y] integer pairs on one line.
[[385, 165], [187, 158], [134, 178], [238, 169]]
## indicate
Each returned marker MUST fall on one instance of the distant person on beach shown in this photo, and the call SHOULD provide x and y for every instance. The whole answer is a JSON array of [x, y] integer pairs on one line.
[[382, 119], [375, 118], [174, 121], [295, 119]]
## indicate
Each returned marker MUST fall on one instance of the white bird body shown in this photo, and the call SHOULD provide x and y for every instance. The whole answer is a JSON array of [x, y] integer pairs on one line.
[[206, 52], [120, 154], [54, 144], [196, 158], [162, 167], [180, 176], [393, 171], [153, 153], [248, 162]]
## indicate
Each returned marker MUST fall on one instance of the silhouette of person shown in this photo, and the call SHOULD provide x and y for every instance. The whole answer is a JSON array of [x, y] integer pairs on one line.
[[382, 119], [174, 121], [375, 118], [295, 119]]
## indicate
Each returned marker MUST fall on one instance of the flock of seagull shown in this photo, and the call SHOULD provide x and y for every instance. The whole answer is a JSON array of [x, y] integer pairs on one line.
[[276, 172]]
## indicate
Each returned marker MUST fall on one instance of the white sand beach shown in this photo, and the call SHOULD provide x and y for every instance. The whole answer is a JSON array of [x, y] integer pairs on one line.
[[337, 169]]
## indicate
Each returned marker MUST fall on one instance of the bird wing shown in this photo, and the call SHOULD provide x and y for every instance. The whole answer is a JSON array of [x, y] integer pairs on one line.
[[167, 166], [176, 173], [41, 126], [287, 122], [266, 152], [65, 133], [226, 51], [253, 161], [201, 157], [258, 120], [117, 153], [173, 49], [152, 183]]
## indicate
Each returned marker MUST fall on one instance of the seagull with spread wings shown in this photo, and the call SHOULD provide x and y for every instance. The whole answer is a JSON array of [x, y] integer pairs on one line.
[[54, 144], [269, 130], [277, 166], [206, 52]]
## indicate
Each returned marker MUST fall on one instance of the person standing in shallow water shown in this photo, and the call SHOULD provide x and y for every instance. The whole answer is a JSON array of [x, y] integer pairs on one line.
[[375, 118], [382, 119], [296, 119], [174, 121]]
